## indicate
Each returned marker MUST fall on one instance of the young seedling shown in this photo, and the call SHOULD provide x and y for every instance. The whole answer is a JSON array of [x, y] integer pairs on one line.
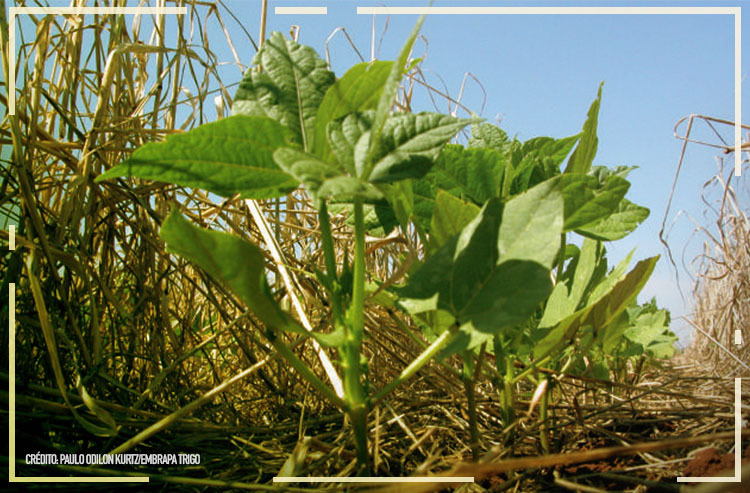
[[492, 214]]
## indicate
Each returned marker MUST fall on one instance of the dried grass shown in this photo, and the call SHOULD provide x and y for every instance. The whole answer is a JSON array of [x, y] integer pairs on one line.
[[722, 291]]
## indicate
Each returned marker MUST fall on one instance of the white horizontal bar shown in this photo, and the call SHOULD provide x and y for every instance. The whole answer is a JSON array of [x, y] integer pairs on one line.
[[301, 10], [97, 10], [547, 10]]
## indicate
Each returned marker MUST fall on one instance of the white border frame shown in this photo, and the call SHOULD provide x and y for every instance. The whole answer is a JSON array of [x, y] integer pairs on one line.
[[736, 12]]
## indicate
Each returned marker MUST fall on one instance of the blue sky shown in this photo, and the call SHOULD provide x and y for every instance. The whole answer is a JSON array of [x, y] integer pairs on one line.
[[541, 72]]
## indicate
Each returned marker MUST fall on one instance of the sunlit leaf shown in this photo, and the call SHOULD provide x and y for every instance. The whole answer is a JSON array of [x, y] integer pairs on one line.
[[358, 90], [496, 271], [289, 88], [230, 156], [583, 156], [235, 262]]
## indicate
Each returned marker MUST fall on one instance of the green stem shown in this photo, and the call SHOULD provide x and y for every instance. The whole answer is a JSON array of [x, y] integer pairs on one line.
[[560, 259], [415, 365], [407, 330], [305, 372], [469, 377], [358, 415], [330, 260], [531, 368], [353, 390], [358, 290], [508, 410]]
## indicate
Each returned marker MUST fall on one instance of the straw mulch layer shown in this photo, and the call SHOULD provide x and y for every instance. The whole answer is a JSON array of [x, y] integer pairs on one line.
[[623, 437], [122, 347]]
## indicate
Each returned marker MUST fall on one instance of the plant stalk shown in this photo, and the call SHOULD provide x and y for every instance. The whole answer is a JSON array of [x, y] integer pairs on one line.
[[530, 369], [560, 259], [305, 372], [357, 310], [508, 410], [329, 255], [469, 377], [354, 391], [421, 360]]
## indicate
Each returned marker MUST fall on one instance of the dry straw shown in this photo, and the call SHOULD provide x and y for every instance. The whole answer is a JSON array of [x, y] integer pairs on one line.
[[722, 290]]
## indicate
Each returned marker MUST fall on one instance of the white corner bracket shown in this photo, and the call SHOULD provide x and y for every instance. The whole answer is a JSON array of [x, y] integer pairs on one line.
[[737, 445]]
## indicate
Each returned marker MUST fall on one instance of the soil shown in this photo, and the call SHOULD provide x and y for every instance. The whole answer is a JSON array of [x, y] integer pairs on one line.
[[710, 462]]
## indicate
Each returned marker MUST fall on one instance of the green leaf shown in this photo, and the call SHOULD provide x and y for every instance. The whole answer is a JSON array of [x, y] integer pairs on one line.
[[587, 202], [622, 294], [349, 138], [424, 202], [651, 331], [532, 224], [401, 199], [410, 143], [450, 216], [358, 90], [565, 299], [235, 262], [554, 153], [611, 335], [305, 167], [583, 156], [323, 180], [469, 174], [600, 312], [347, 188], [603, 285], [662, 346], [336, 338], [489, 136], [539, 159], [495, 273], [380, 297], [473, 174], [600, 369], [387, 97], [619, 224], [558, 306], [230, 156], [631, 350], [380, 219], [554, 339], [603, 172], [289, 89], [591, 253]]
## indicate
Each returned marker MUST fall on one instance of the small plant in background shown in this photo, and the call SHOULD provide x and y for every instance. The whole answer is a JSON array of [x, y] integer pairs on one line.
[[495, 216]]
